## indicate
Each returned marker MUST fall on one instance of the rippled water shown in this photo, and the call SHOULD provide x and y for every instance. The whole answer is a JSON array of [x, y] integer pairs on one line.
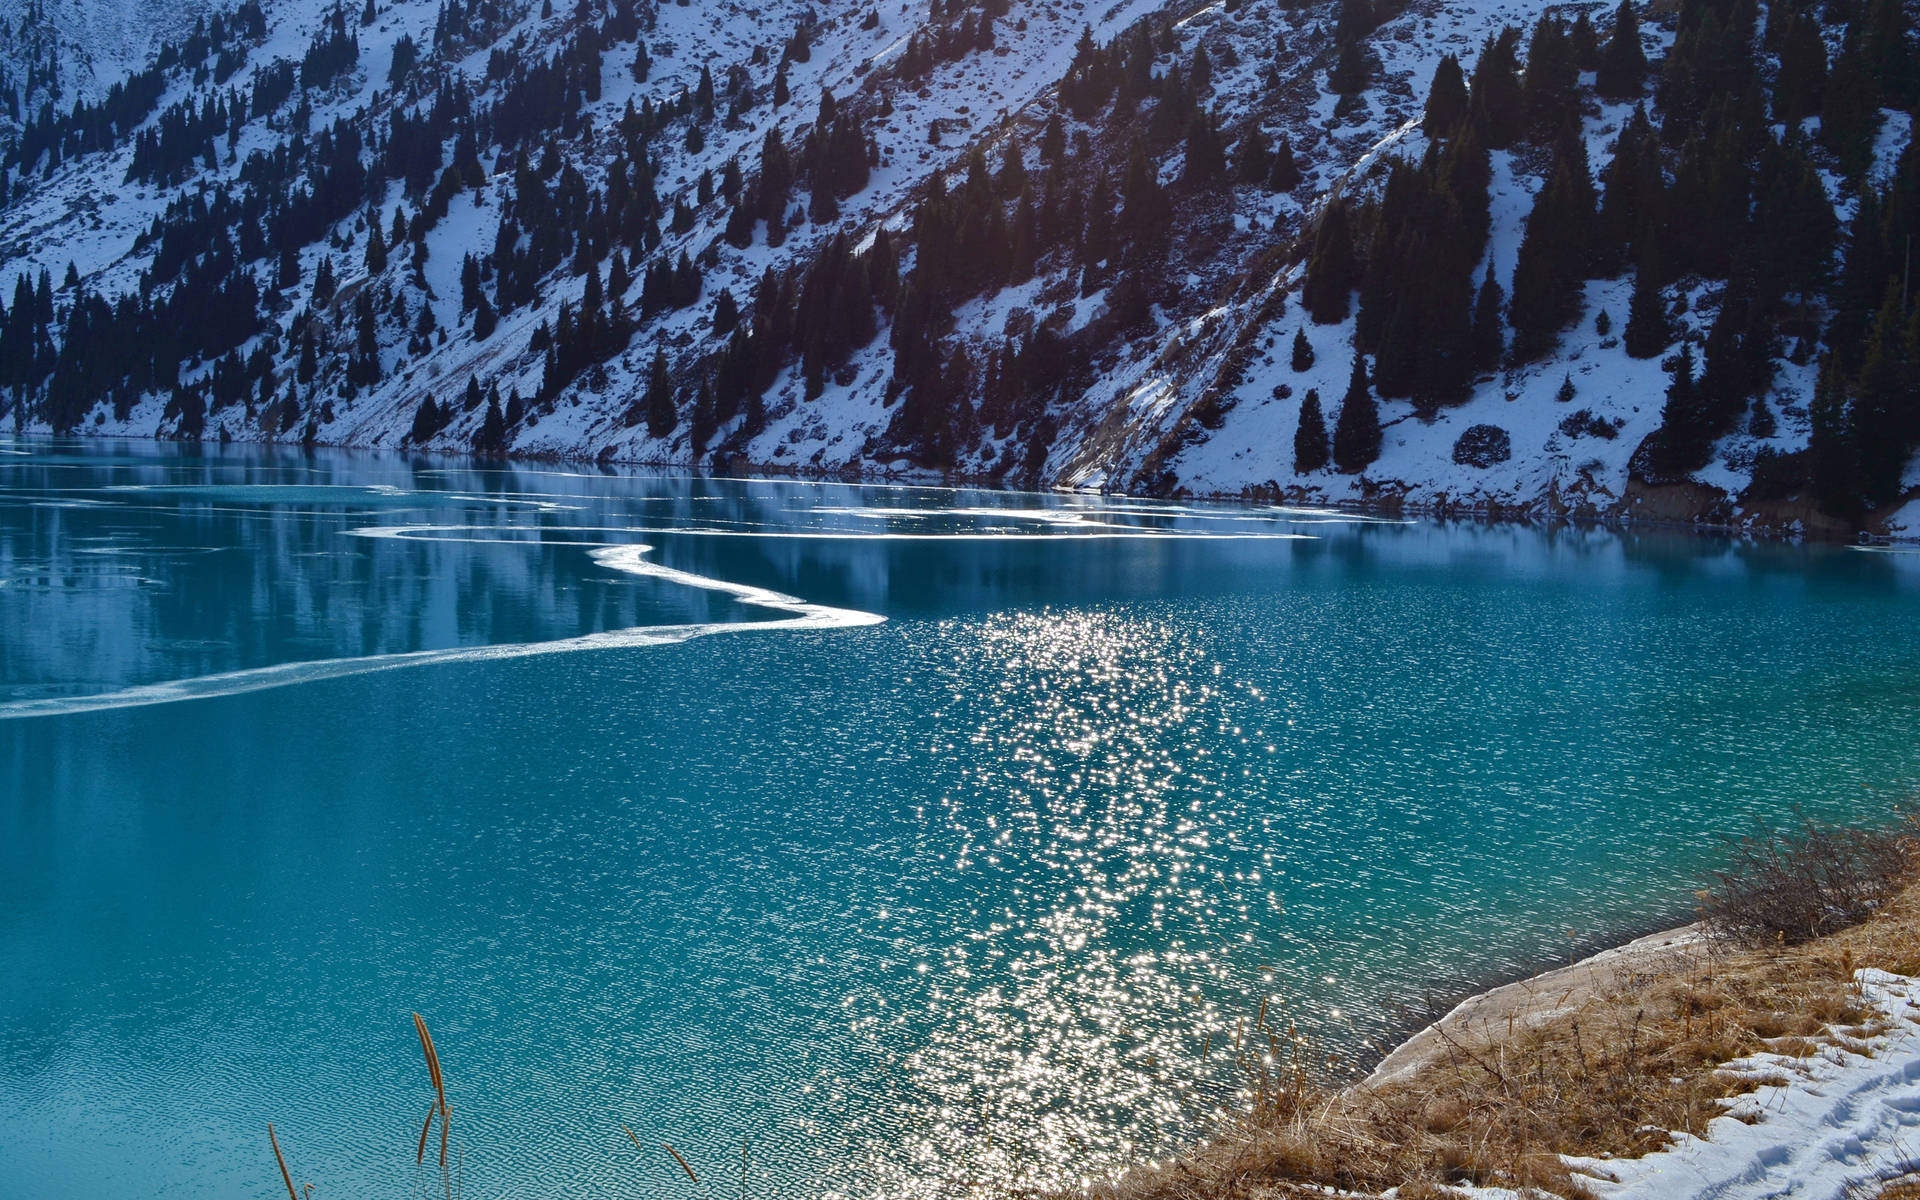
[[910, 837]]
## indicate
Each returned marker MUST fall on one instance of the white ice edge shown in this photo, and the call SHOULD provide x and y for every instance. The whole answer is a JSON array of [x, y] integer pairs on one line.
[[1080, 531], [630, 559]]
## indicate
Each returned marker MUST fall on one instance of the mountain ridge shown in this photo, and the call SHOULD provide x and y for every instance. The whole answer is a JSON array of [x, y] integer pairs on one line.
[[1119, 305]]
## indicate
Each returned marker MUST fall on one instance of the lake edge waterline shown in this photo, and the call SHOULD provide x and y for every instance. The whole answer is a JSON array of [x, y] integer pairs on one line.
[[1682, 508]]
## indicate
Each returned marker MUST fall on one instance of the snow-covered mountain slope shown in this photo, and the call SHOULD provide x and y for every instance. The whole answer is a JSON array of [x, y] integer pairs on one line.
[[60, 51], [1164, 364]]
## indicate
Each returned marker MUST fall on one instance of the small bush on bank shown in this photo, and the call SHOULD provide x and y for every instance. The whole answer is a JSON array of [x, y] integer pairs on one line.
[[1792, 887]]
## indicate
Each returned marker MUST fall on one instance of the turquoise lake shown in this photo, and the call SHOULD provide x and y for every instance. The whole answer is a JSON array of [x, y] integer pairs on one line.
[[913, 838]]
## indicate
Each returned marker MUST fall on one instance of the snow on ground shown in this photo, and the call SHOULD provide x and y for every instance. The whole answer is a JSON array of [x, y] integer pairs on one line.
[[1831, 1125], [1824, 1127]]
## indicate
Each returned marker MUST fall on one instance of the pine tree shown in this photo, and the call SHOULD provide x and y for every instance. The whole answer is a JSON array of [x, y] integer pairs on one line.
[[1328, 290], [1252, 155], [1833, 466], [1283, 173], [1634, 192], [376, 249], [1489, 331], [703, 94], [1356, 435], [1446, 99], [1584, 42], [1554, 255], [660, 413], [1801, 82], [1885, 417], [1351, 71], [1850, 110], [1494, 99], [1310, 437], [1623, 63], [1684, 441], [426, 422], [703, 422], [492, 437], [1206, 159], [1647, 332], [1549, 89], [1302, 350], [1884, 43]]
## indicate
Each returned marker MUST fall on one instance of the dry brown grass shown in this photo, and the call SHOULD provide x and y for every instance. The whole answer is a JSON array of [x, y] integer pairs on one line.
[[1642, 1053]]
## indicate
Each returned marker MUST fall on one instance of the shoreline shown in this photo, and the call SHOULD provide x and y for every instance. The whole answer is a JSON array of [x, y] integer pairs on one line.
[[1541, 512], [1501, 1009]]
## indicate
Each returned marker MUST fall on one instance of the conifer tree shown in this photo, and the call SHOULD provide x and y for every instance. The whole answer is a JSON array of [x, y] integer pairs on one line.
[[1549, 88], [1647, 332], [1283, 173], [426, 422], [1446, 99], [703, 422], [1684, 440], [1623, 63], [1327, 292], [1489, 331], [660, 413], [1350, 72], [1494, 99], [1356, 435], [1584, 43], [1633, 195], [1302, 350], [1801, 82], [1206, 159], [1884, 43], [492, 437], [376, 249], [1310, 436], [1833, 465], [1884, 413], [1252, 155], [1554, 254], [1012, 179]]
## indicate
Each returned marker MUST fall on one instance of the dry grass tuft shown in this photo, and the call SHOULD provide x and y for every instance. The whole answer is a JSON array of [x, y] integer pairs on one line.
[[1598, 1075]]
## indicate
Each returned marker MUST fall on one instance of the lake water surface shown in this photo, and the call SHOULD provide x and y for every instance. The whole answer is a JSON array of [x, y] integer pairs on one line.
[[907, 836]]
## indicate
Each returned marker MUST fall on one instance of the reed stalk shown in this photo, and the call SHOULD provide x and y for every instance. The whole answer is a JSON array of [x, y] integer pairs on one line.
[[420, 1155], [683, 1164], [439, 1089], [286, 1177]]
